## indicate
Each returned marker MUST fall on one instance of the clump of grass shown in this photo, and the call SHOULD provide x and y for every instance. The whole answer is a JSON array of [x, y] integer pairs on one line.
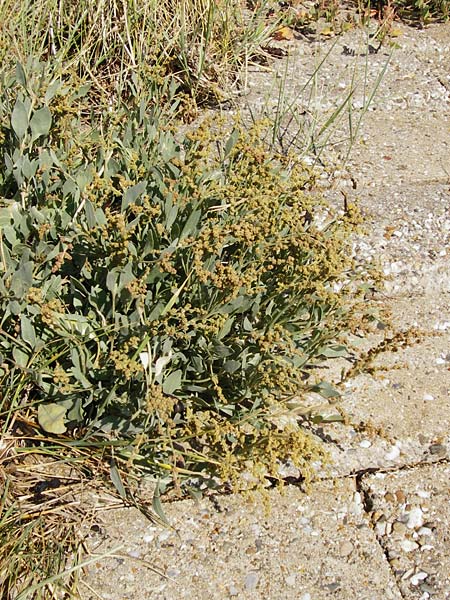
[[124, 47], [40, 520]]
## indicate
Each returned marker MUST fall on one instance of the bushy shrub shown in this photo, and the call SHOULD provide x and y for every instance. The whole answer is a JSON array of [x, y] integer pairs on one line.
[[174, 290]]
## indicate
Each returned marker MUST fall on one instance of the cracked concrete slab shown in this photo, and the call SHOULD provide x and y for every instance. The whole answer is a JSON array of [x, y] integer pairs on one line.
[[397, 413], [317, 546], [410, 515]]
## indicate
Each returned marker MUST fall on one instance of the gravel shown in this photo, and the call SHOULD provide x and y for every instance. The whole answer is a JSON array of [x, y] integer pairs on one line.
[[415, 503]]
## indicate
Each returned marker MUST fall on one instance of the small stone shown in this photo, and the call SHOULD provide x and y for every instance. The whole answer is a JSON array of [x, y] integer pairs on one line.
[[380, 528], [422, 541], [259, 544], [172, 572], [365, 444], [407, 574], [378, 515], [393, 453], [290, 580], [425, 531], [232, 590], [415, 518], [357, 498], [164, 535], [251, 581], [345, 549], [401, 497], [305, 596], [332, 587], [399, 527], [418, 577], [423, 493], [409, 546], [428, 397], [389, 497], [438, 449]]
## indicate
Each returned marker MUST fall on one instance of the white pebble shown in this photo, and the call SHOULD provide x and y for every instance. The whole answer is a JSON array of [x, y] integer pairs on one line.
[[428, 397], [415, 518], [346, 548], [409, 545], [365, 444], [393, 453], [423, 494], [290, 580], [251, 581], [440, 361], [380, 528], [418, 577], [425, 531], [173, 572], [357, 498]]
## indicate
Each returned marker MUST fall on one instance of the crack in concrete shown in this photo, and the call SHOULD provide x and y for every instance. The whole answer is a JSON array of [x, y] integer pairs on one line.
[[369, 505]]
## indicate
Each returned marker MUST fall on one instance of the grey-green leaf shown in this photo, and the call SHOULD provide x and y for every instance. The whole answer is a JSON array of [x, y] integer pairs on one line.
[[51, 417], [333, 351], [116, 479], [157, 505], [40, 123], [172, 382], [231, 142], [20, 75], [20, 357], [133, 193], [19, 119], [52, 89], [231, 366], [326, 390], [27, 331]]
